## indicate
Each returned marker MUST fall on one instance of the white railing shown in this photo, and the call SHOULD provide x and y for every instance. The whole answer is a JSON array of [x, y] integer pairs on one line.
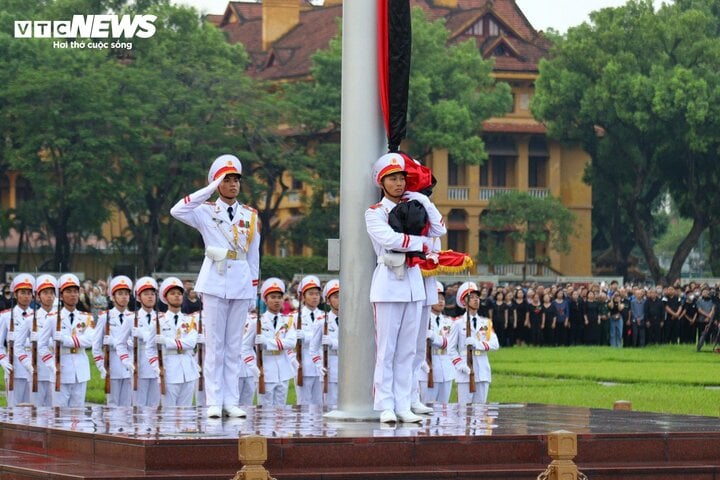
[[488, 193], [458, 193], [533, 269], [539, 192], [292, 197]]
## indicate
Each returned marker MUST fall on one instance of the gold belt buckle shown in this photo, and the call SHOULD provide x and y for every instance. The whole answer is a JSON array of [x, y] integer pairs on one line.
[[73, 350], [275, 352], [232, 254], [477, 353], [439, 351]]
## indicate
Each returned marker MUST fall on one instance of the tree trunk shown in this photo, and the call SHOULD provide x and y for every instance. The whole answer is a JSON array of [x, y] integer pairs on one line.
[[714, 258], [62, 259], [684, 249], [643, 227]]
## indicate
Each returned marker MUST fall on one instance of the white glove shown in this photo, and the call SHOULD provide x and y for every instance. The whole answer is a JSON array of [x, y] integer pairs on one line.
[[6, 365], [430, 334], [27, 363], [128, 364], [199, 368], [423, 199], [326, 340], [259, 340], [471, 342], [10, 336], [322, 371], [254, 370], [295, 364], [33, 336], [58, 337], [156, 368], [300, 334], [108, 341], [103, 372], [200, 338], [425, 367], [160, 340], [50, 364], [463, 369], [136, 332]]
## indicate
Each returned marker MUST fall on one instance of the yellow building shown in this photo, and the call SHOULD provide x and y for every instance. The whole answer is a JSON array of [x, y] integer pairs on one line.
[[281, 35]]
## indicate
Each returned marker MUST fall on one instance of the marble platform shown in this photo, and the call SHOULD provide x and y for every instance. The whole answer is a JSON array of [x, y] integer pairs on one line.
[[506, 441]]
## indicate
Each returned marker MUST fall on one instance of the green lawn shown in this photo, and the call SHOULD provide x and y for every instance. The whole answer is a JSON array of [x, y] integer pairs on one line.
[[668, 379]]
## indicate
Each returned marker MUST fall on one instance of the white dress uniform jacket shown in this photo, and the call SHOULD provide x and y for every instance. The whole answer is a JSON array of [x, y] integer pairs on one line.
[[119, 334], [312, 322], [334, 336], [227, 278], [77, 332], [276, 363], [480, 357], [147, 350], [443, 368], [20, 336], [43, 317], [180, 332]]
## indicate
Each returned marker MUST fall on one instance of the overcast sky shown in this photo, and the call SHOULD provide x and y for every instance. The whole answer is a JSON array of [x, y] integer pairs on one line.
[[543, 14]]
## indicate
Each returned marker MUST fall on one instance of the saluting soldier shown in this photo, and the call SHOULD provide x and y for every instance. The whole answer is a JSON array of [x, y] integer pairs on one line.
[[331, 293], [397, 291], [148, 390], [177, 339], [309, 337], [481, 339], [439, 334], [228, 278], [22, 287], [118, 340], [277, 338], [75, 336]]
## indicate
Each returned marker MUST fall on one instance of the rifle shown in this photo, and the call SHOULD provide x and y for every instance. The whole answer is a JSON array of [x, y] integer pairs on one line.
[[34, 353], [135, 351], [201, 380], [160, 354], [298, 353], [470, 362], [258, 352], [428, 356], [58, 347], [106, 351], [11, 349], [326, 355]]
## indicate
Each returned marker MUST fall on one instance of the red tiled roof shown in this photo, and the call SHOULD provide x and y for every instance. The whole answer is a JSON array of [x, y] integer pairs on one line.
[[290, 56]]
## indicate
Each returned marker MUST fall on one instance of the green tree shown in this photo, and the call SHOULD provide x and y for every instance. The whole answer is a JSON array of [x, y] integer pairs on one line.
[[637, 89], [531, 220]]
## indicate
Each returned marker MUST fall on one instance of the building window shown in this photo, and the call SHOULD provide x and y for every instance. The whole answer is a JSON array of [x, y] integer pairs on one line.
[[476, 29], [499, 171], [493, 28], [538, 163], [456, 173], [500, 165], [485, 174], [457, 240]]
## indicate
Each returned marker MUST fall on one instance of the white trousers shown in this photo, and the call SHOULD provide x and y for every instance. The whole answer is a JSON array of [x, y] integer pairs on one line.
[[331, 397], [396, 332], [120, 392], [20, 393], [44, 396], [247, 386], [311, 392], [70, 395], [440, 393], [179, 394], [199, 395], [148, 393], [480, 395], [224, 326], [275, 394], [420, 351]]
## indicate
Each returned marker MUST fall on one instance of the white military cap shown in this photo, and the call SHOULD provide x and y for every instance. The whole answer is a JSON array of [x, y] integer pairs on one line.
[[308, 282], [45, 281], [223, 165], [68, 280], [22, 281], [386, 165], [332, 286], [120, 282], [145, 283], [168, 284], [464, 291], [440, 287], [271, 285]]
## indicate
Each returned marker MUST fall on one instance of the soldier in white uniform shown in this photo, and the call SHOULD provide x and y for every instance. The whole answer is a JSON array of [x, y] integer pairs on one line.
[[177, 339], [22, 287], [118, 341], [45, 288], [75, 336], [249, 371], [331, 293], [443, 371], [397, 291], [481, 339], [309, 337], [277, 338], [148, 390], [228, 278]]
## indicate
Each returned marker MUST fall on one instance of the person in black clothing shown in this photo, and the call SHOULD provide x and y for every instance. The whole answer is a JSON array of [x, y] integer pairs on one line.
[[500, 318], [549, 322], [577, 318], [688, 320], [654, 317], [535, 310], [521, 320], [191, 303], [6, 298], [592, 320], [674, 312]]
